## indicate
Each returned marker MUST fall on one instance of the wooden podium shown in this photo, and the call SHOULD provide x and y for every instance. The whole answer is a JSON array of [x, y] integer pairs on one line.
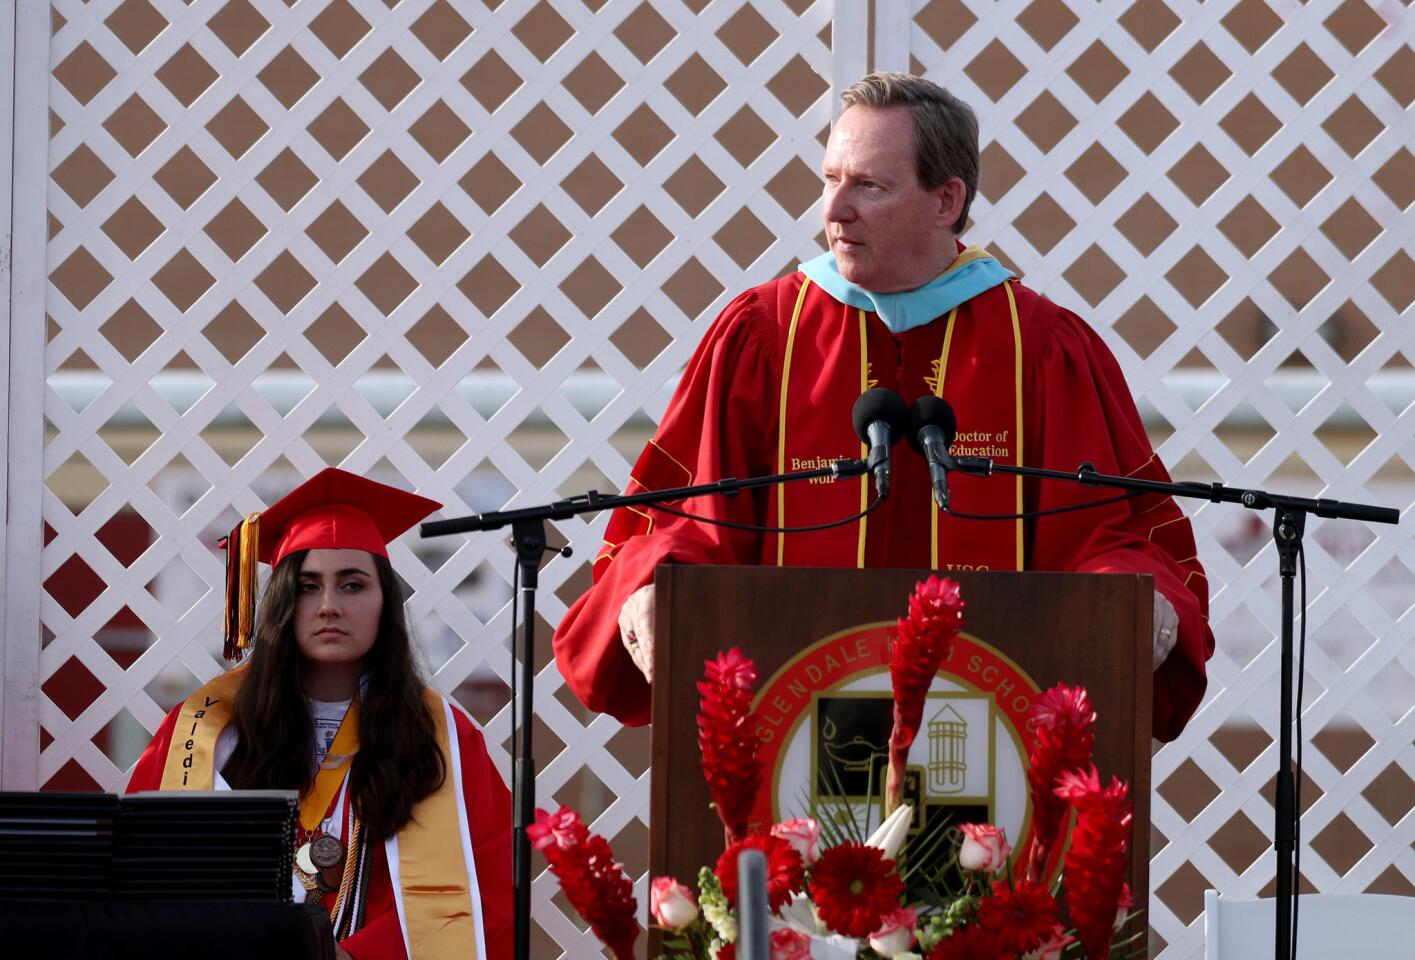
[[1088, 629]]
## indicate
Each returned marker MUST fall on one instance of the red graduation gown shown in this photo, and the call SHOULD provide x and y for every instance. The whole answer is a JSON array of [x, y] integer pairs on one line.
[[724, 421], [488, 806]]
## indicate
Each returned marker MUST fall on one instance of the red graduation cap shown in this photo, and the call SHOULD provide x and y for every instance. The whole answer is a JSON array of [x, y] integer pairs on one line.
[[334, 510]]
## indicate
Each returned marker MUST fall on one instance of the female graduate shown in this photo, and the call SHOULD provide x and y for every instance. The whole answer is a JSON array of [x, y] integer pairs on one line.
[[405, 825]]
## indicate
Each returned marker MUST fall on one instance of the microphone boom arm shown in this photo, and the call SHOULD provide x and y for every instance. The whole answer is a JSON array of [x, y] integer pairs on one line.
[[594, 501], [528, 535], [1290, 515], [1087, 475]]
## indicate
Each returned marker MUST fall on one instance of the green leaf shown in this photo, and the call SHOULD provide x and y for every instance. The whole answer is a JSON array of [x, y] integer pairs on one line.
[[850, 829]]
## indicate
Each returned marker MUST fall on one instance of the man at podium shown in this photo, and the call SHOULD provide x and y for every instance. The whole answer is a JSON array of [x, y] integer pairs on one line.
[[899, 301]]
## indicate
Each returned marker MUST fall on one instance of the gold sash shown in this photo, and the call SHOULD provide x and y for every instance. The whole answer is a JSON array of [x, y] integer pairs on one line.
[[434, 884], [191, 757], [315, 803], [437, 894]]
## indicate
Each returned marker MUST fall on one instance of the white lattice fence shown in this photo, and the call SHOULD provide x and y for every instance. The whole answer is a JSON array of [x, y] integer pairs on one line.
[[288, 236], [1179, 171], [349, 194]]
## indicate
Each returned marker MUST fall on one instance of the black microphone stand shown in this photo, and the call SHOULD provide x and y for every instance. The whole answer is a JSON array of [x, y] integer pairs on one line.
[[528, 536], [1289, 523]]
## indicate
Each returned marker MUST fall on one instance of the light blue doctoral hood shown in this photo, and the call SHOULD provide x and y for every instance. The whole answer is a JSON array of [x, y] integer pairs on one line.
[[972, 273]]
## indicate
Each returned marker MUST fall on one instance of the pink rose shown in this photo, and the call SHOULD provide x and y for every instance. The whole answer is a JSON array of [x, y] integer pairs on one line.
[[896, 933], [803, 835], [985, 848], [671, 903], [1051, 950], [790, 944]]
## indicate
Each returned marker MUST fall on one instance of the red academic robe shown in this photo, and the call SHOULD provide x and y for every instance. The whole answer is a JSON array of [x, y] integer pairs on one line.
[[725, 421], [488, 806]]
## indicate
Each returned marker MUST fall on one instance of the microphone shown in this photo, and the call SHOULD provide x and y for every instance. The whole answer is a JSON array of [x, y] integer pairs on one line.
[[754, 914], [931, 429], [878, 418]]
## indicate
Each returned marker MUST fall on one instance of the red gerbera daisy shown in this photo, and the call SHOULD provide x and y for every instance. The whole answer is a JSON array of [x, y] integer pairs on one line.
[[967, 943], [1020, 917], [853, 887], [785, 873]]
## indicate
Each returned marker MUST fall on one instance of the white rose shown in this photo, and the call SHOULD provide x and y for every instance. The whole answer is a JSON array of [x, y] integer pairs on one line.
[[985, 848], [895, 934], [671, 903], [804, 836]]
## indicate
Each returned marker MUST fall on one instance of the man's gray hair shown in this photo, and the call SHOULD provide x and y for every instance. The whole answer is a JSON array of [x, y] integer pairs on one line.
[[945, 128]]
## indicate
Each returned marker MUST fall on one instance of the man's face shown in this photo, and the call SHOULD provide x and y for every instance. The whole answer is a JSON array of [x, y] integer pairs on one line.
[[887, 232]]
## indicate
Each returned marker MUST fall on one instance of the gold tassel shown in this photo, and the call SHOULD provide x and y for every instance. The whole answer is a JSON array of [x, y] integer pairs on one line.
[[248, 579], [242, 557]]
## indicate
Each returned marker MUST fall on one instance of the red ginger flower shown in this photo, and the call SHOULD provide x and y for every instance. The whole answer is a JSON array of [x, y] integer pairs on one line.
[[1020, 917], [1066, 734], [732, 670], [920, 644], [1095, 861], [1064, 708], [728, 739], [563, 829], [854, 887], [1123, 907], [593, 881], [785, 874], [968, 943]]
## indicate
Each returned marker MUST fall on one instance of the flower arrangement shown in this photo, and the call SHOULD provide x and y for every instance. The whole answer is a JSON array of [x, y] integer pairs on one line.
[[592, 880], [833, 896]]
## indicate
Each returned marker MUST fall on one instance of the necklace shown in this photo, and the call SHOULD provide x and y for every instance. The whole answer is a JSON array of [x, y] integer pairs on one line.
[[321, 851]]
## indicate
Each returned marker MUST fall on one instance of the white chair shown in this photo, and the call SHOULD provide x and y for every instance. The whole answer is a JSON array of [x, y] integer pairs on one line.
[[1330, 926]]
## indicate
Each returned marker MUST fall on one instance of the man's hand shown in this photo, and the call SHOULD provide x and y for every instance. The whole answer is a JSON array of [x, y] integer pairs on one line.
[[1166, 628], [636, 629]]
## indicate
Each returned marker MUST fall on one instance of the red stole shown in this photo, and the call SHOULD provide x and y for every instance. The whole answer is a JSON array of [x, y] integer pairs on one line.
[[830, 353]]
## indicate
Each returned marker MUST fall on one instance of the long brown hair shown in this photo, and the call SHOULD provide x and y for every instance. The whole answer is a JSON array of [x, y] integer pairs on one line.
[[398, 762]]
